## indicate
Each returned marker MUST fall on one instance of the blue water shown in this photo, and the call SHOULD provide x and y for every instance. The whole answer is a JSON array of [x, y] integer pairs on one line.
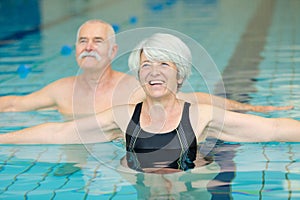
[[237, 171]]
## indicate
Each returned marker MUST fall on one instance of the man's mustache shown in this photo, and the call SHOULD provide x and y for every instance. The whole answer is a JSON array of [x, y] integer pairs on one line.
[[91, 54]]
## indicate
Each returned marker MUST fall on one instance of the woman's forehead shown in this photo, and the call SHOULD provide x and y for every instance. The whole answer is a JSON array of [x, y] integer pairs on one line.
[[154, 56]]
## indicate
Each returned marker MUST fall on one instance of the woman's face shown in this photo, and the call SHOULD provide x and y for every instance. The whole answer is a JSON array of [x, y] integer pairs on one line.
[[158, 78]]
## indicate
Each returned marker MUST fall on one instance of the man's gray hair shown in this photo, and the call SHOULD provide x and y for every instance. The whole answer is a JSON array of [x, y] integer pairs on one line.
[[110, 31]]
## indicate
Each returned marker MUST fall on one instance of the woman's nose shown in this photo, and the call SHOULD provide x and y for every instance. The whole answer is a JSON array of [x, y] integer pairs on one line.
[[155, 69]]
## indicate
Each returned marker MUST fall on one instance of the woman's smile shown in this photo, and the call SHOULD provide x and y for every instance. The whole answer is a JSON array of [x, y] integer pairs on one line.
[[156, 82]]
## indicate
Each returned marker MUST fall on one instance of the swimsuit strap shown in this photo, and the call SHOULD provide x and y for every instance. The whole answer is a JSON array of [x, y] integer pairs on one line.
[[184, 130], [134, 125], [185, 135]]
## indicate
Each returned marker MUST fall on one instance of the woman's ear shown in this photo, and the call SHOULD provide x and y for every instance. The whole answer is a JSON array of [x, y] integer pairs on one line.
[[179, 79], [179, 82]]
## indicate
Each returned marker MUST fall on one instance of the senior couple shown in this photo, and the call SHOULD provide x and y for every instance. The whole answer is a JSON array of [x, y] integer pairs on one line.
[[157, 117]]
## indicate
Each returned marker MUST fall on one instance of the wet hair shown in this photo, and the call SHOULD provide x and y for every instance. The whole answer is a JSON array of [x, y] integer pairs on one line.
[[110, 31], [163, 47]]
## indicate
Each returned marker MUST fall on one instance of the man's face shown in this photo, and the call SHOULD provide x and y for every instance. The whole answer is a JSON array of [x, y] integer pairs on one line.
[[93, 50]]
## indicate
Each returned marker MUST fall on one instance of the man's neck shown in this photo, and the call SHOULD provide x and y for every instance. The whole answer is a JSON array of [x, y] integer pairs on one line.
[[96, 78]]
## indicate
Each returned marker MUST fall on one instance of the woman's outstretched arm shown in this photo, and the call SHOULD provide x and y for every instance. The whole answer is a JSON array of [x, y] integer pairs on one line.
[[93, 129], [228, 104]]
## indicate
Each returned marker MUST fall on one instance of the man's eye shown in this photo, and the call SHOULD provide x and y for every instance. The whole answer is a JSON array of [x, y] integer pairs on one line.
[[82, 41], [165, 64], [99, 41]]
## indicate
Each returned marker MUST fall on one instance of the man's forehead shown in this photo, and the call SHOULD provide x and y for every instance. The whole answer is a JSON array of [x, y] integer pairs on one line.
[[93, 30]]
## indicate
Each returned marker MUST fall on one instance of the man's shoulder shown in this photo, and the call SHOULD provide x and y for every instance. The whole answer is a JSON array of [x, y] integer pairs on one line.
[[65, 80], [62, 83], [122, 74], [125, 78]]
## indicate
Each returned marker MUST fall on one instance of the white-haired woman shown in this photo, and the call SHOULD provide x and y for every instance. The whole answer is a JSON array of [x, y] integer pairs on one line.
[[163, 125]]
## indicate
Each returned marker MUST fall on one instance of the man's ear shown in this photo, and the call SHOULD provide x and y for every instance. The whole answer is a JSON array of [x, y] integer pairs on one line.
[[113, 51]]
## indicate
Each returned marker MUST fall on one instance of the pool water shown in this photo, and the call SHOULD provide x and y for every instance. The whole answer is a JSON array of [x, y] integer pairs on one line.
[[255, 45]]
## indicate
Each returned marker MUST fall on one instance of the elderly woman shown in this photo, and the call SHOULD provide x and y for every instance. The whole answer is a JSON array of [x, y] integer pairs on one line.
[[162, 121]]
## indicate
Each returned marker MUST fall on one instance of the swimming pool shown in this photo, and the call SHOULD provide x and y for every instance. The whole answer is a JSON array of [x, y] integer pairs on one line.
[[255, 44]]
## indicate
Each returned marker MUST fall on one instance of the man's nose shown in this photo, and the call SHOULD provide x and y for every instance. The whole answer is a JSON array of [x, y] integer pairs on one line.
[[89, 46]]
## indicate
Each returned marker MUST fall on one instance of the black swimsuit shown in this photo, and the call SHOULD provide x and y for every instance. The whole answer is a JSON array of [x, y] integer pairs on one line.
[[176, 149]]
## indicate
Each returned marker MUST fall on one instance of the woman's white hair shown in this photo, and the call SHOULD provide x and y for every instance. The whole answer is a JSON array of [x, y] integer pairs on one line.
[[163, 47]]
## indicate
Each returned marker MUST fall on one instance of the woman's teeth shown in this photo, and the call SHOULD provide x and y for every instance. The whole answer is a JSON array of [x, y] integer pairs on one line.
[[155, 82]]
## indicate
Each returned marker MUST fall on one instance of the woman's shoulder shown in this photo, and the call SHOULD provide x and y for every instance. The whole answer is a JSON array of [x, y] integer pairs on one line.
[[201, 107], [201, 113]]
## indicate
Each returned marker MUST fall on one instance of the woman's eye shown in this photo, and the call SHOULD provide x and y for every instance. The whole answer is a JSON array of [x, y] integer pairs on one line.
[[145, 65]]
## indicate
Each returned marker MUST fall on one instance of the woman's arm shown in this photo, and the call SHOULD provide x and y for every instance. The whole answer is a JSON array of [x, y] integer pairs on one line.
[[48, 133], [237, 127], [204, 98], [98, 128]]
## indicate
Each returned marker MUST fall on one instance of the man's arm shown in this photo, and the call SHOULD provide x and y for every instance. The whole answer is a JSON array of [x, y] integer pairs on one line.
[[204, 98], [41, 99], [34, 101]]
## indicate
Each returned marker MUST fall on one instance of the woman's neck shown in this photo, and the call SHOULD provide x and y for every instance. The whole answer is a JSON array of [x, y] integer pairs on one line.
[[161, 116]]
